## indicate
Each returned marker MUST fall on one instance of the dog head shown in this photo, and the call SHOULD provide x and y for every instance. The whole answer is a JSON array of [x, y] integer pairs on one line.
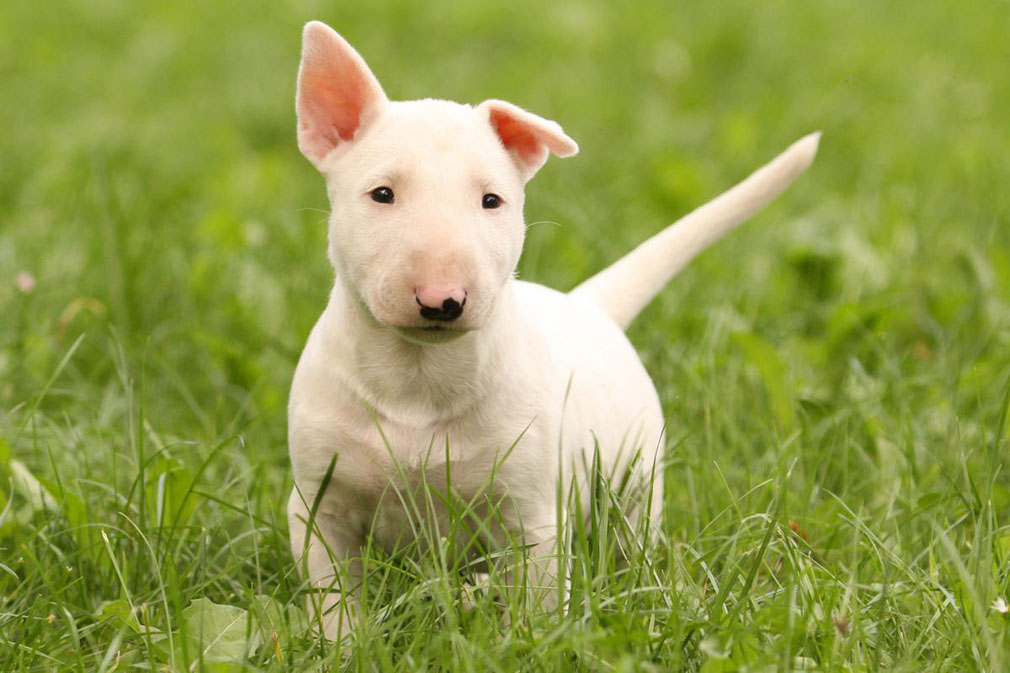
[[426, 223]]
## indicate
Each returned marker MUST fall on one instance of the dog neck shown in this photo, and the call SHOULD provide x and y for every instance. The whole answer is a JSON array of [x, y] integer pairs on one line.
[[409, 383]]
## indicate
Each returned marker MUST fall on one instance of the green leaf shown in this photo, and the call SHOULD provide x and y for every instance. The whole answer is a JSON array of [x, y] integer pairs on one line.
[[121, 611], [169, 483], [714, 647], [718, 666], [928, 500], [217, 633], [274, 617], [774, 374], [26, 484]]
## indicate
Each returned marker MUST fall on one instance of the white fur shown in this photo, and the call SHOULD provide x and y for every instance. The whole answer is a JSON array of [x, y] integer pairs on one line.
[[526, 368]]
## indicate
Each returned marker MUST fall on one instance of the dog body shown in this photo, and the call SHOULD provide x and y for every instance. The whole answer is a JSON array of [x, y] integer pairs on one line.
[[520, 399], [432, 367], [525, 380]]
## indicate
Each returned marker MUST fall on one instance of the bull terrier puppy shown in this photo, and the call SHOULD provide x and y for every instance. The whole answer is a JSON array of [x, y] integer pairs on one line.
[[432, 359]]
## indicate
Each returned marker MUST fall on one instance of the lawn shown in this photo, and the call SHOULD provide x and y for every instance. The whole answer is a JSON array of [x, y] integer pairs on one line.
[[835, 374]]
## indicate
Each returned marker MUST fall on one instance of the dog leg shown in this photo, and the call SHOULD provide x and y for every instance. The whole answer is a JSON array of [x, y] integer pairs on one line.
[[536, 573], [332, 562]]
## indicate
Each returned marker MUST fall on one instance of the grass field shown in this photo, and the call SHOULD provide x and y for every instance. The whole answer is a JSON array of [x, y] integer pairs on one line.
[[835, 374]]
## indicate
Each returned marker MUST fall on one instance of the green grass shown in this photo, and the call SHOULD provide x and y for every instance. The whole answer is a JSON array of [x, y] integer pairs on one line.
[[835, 374]]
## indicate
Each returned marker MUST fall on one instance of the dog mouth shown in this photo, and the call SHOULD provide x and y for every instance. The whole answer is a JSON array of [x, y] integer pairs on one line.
[[430, 335]]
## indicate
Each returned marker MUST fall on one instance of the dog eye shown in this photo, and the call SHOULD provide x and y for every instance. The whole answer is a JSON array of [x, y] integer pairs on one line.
[[382, 195], [490, 201]]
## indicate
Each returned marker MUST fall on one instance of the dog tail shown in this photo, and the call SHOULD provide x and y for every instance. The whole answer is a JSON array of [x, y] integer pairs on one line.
[[624, 288]]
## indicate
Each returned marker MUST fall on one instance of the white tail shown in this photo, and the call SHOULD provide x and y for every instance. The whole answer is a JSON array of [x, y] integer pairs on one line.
[[624, 288]]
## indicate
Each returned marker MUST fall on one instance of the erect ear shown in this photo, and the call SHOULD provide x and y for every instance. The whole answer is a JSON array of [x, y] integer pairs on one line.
[[337, 94], [527, 137]]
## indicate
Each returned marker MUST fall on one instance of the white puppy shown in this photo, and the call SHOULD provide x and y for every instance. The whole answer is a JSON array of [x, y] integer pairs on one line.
[[431, 358]]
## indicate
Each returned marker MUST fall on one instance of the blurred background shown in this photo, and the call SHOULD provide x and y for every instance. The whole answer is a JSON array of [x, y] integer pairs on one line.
[[162, 240], [152, 195]]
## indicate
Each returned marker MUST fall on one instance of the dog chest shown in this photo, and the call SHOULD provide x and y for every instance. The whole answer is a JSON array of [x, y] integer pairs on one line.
[[417, 486]]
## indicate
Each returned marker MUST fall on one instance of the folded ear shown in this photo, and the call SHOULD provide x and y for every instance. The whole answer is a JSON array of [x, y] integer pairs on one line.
[[337, 94], [527, 137]]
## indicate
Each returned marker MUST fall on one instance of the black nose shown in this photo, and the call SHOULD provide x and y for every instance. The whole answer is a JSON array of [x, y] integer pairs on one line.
[[449, 311]]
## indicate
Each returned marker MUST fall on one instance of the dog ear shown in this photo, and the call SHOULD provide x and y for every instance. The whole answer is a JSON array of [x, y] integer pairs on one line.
[[337, 94], [527, 137]]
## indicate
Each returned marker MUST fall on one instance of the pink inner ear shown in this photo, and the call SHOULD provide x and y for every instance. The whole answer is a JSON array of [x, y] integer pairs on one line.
[[334, 100], [518, 138]]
